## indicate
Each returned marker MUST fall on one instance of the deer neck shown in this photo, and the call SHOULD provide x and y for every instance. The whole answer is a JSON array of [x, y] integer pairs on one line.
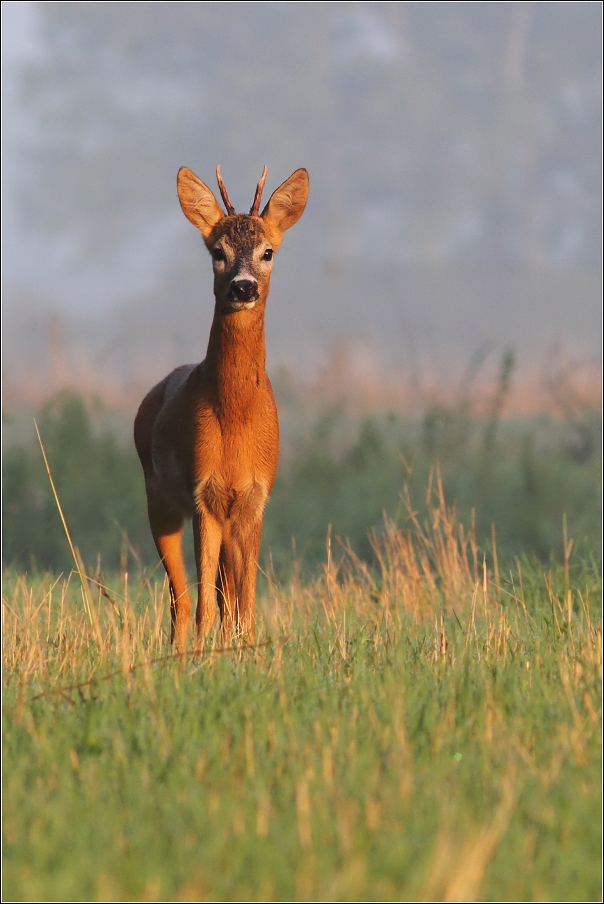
[[236, 357]]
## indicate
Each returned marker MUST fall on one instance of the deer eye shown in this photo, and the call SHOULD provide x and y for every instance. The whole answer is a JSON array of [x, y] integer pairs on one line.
[[218, 254], [268, 255]]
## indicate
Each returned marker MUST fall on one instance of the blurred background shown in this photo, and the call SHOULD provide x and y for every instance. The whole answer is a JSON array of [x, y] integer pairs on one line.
[[438, 303]]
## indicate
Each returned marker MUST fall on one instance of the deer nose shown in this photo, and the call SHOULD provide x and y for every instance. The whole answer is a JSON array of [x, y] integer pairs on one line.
[[244, 289]]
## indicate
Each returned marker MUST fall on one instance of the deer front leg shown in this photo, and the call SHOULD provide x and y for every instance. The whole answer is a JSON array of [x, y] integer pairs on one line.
[[207, 536], [246, 547], [166, 527], [227, 596]]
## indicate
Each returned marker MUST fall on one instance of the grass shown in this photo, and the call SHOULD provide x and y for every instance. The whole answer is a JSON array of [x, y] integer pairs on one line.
[[426, 730]]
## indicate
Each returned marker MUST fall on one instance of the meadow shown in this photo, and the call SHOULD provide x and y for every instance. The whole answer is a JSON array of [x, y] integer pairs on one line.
[[419, 718], [426, 727]]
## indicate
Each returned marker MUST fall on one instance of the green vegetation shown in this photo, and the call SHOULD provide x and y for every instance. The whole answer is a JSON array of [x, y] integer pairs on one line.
[[100, 486], [425, 730], [337, 474], [419, 719]]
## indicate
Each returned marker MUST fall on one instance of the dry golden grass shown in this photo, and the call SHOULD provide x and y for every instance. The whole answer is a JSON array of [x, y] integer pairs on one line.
[[426, 729]]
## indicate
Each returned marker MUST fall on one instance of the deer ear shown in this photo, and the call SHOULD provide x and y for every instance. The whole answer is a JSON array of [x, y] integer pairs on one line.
[[198, 202], [286, 204]]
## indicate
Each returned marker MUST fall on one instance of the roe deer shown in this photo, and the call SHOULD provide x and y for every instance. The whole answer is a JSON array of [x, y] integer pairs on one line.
[[208, 435]]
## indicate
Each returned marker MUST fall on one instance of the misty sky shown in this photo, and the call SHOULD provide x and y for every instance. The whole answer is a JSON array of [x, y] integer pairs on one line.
[[453, 149]]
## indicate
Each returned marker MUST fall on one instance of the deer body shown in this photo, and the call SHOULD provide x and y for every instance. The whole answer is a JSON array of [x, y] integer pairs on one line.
[[208, 434]]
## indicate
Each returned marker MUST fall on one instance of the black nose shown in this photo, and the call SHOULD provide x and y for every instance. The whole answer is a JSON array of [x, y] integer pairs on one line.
[[244, 289]]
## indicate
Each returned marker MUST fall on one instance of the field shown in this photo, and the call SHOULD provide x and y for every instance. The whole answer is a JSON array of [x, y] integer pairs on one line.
[[422, 727]]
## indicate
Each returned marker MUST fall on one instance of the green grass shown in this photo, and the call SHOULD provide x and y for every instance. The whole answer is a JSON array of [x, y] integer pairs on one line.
[[429, 730]]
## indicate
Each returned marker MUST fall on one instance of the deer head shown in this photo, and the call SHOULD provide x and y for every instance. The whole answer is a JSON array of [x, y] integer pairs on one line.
[[242, 246]]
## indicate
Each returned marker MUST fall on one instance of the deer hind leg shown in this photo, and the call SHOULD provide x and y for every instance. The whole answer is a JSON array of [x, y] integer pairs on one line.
[[207, 537], [166, 527]]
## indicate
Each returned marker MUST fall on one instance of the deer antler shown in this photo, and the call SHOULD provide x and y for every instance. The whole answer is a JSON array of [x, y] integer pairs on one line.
[[256, 205], [227, 201]]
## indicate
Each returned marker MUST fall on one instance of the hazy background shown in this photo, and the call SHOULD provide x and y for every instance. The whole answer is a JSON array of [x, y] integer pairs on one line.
[[454, 152]]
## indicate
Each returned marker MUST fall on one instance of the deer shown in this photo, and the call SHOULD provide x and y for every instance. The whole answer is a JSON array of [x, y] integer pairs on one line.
[[207, 435]]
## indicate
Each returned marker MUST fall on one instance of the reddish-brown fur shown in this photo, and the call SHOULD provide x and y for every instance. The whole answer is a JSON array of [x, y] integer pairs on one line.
[[208, 435]]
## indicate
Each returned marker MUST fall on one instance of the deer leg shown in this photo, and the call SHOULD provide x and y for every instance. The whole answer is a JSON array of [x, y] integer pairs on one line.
[[227, 597], [166, 527], [246, 547], [207, 536]]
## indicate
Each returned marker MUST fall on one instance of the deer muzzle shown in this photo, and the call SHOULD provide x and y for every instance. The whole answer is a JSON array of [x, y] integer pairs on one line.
[[244, 291]]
